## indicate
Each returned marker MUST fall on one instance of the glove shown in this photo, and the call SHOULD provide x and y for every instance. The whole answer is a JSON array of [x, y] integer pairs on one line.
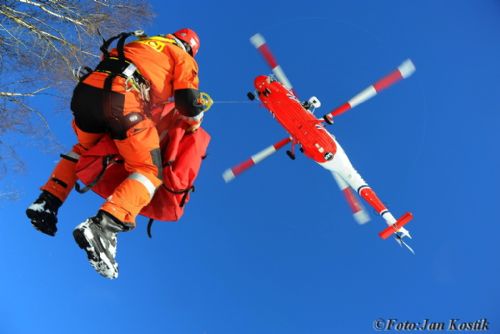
[[191, 123]]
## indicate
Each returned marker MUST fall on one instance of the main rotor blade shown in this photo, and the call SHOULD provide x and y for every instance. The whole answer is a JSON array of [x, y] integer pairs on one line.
[[260, 44], [402, 72], [358, 211], [231, 173]]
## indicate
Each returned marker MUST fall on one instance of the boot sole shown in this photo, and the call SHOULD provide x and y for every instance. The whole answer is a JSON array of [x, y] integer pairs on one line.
[[94, 259], [83, 243], [42, 228]]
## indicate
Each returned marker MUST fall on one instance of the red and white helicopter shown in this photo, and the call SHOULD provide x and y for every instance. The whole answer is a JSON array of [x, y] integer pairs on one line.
[[276, 94]]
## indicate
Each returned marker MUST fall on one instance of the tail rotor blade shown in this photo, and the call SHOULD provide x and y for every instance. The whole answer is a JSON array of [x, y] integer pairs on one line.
[[401, 242], [231, 173], [260, 44], [404, 70]]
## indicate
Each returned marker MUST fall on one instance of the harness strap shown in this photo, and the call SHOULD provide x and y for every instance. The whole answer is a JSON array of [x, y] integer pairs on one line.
[[69, 157], [105, 45], [150, 224], [178, 192], [122, 68], [121, 37], [120, 45], [121, 53], [181, 204]]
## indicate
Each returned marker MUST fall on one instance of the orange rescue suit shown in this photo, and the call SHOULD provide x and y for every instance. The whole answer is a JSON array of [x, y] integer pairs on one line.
[[123, 113]]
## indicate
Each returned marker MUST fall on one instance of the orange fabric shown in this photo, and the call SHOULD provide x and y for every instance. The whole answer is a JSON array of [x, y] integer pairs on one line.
[[127, 201], [166, 66], [65, 169], [136, 149], [131, 196], [65, 172], [185, 149], [96, 79]]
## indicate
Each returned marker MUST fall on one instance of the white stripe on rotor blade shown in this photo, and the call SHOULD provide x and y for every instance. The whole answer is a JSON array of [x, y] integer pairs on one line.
[[257, 40], [406, 68], [280, 75], [340, 181], [263, 154], [363, 96], [361, 217], [228, 175], [150, 187]]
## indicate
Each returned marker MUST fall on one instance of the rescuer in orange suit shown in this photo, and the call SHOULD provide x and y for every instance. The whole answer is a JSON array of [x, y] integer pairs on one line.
[[114, 99]]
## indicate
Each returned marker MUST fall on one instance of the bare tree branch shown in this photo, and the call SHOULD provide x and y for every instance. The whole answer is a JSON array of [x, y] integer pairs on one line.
[[11, 94], [40, 42], [42, 7]]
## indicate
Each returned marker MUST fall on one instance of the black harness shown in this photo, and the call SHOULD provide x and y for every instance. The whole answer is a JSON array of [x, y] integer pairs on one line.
[[119, 66]]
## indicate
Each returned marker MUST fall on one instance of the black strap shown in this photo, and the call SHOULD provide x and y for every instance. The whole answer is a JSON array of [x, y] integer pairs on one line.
[[182, 191], [120, 45], [121, 54], [108, 83], [121, 36], [115, 67], [69, 158], [150, 224], [183, 202], [106, 161], [112, 65]]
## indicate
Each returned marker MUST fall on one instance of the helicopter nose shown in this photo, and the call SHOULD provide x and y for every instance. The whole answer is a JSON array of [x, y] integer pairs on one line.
[[261, 82]]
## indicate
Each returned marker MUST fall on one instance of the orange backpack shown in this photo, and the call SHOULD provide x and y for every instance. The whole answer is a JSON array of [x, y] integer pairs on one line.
[[101, 167]]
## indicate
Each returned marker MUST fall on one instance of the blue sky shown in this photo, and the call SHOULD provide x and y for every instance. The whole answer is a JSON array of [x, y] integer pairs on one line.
[[277, 251]]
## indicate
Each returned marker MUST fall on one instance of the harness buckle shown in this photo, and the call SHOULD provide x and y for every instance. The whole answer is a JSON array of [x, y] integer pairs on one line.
[[142, 88], [129, 70]]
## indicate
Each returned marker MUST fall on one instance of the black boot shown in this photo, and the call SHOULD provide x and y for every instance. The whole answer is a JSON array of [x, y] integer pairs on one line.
[[43, 213], [97, 236]]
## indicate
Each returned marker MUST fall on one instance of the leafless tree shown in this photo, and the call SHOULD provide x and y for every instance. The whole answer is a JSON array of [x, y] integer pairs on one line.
[[41, 41]]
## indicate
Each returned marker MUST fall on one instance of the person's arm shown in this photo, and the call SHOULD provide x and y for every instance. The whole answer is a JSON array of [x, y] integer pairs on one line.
[[187, 102], [186, 93]]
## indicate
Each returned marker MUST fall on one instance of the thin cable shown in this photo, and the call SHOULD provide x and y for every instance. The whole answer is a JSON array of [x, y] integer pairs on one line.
[[232, 102]]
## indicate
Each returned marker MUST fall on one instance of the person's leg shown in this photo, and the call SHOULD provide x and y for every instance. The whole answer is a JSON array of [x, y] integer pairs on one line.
[[97, 236], [141, 153], [137, 141], [43, 212], [63, 178]]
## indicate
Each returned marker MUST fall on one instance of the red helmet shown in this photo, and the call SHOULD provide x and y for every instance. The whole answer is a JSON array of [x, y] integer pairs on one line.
[[190, 39]]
